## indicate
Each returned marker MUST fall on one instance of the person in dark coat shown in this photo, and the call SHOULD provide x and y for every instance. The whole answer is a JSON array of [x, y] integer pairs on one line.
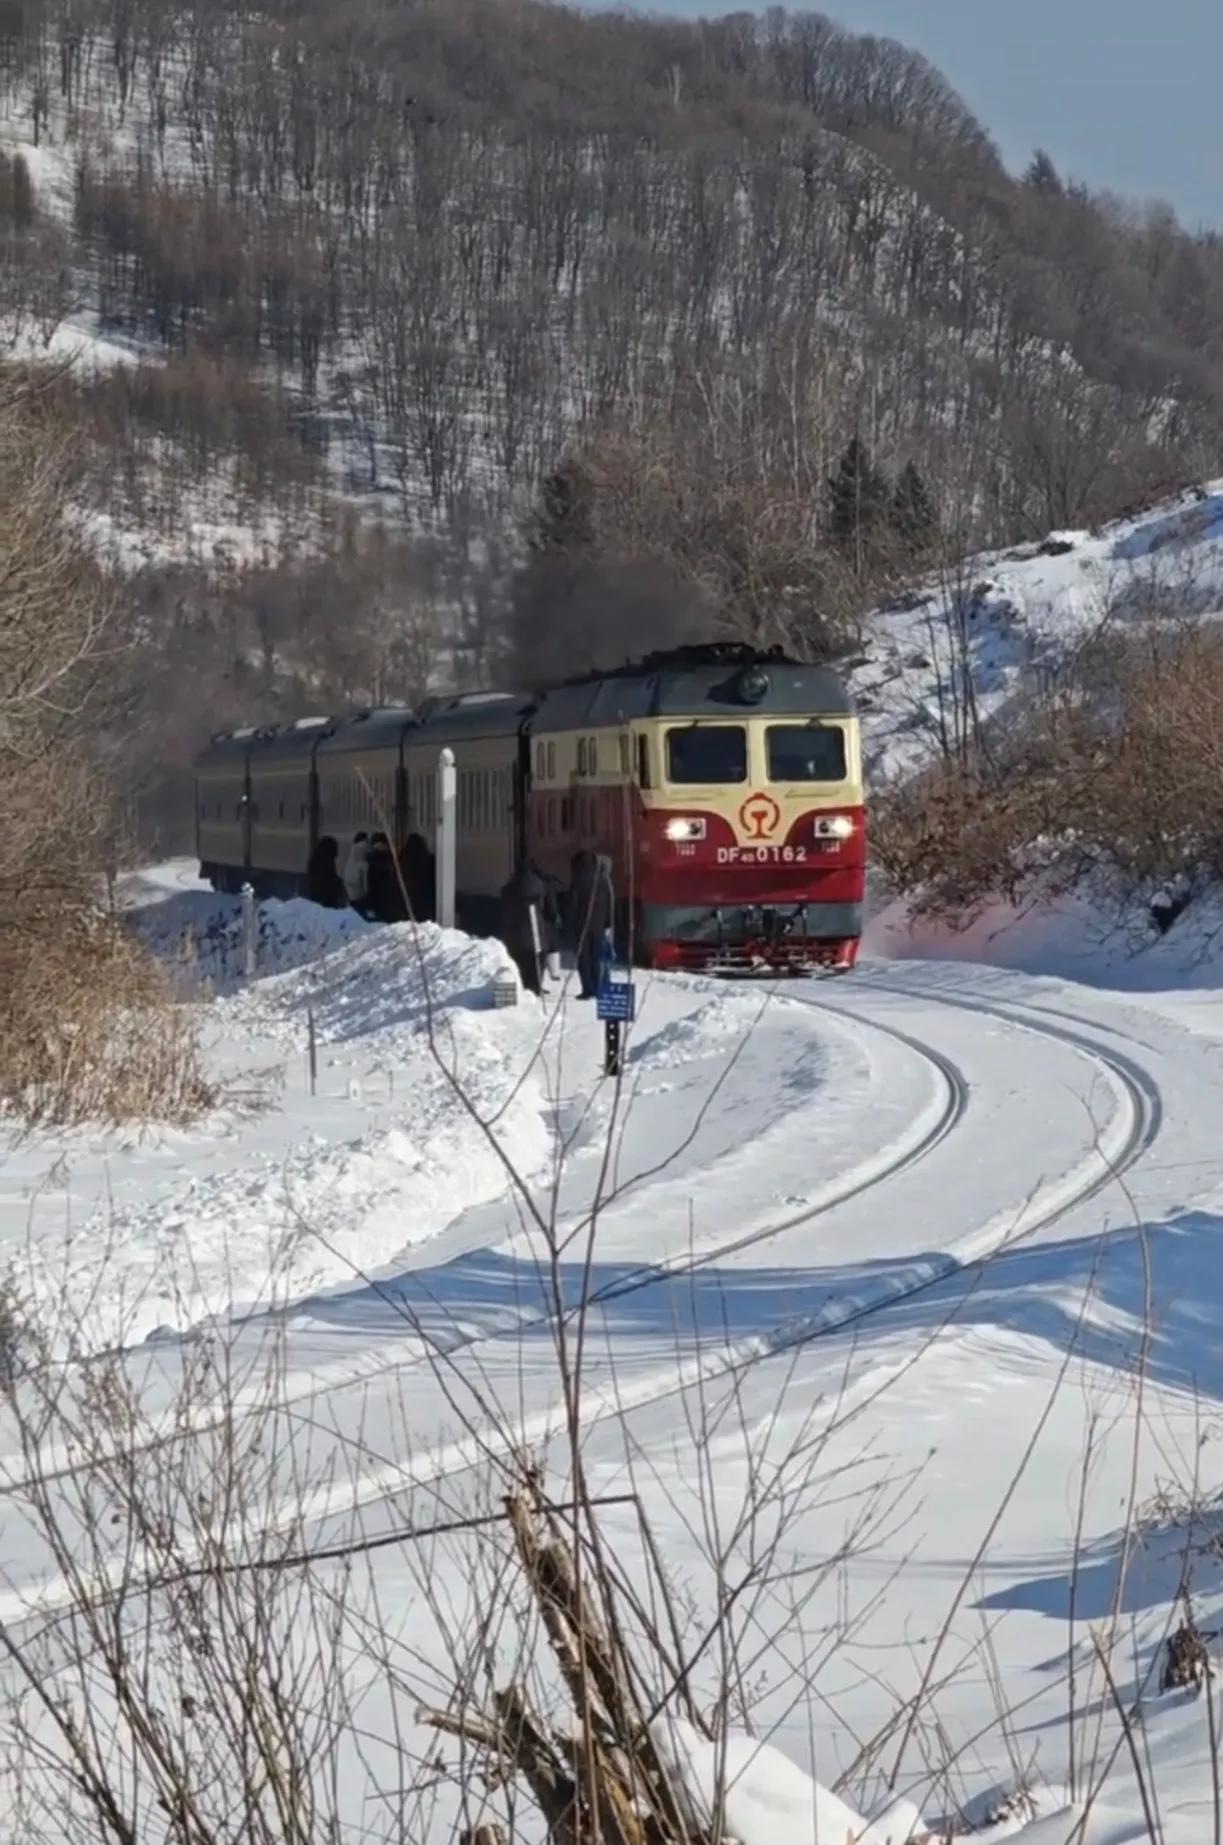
[[523, 902], [384, 899], [549, 923], [590, 916], [420, 876], [323, 881]]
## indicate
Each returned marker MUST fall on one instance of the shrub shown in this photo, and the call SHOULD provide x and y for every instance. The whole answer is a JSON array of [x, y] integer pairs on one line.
[[87, 1027], [1115, 772]]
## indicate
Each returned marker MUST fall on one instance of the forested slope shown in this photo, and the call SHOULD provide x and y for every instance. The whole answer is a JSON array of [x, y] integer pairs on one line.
[[400, 259]]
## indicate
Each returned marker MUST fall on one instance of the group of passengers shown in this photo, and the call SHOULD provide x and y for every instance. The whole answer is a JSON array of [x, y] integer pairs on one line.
[[377, 882], [536, 918]]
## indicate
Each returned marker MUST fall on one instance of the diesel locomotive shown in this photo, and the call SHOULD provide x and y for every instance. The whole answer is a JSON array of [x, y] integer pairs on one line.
[[722, 783]]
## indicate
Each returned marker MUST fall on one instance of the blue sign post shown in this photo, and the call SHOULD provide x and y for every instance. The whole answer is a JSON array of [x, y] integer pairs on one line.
[[615, 1005]]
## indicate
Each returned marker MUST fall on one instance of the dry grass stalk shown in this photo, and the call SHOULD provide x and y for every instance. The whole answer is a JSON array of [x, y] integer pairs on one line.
[[602, 1778]]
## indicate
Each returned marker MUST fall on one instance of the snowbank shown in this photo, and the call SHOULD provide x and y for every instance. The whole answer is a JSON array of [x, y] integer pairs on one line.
[[350, 1168], [766, 1797], [201, 933], [1074, 938]]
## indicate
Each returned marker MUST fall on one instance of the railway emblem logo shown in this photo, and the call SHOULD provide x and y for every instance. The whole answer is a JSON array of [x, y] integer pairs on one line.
[[759, 816]]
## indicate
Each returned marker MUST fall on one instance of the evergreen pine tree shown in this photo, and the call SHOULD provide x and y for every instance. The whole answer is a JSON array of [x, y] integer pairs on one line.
[[563, 523], [914, 515], [858, 500], [1042, 175]]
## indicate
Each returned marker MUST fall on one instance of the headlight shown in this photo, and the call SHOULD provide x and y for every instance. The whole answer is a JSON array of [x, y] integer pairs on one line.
[[834, 826], [685, 829]]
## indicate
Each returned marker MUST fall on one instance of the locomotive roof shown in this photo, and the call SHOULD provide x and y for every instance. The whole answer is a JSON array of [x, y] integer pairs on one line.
[[699, 689], [686, 682]]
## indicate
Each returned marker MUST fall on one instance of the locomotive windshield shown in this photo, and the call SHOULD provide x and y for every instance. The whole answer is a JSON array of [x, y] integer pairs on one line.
[[806, 753], [701, 754]]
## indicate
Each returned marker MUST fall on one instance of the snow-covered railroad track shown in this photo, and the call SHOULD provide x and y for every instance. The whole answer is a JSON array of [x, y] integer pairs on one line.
[[707, 1353], [1119, 1144], [946, 1110], [690, 1342], [954, 1089]]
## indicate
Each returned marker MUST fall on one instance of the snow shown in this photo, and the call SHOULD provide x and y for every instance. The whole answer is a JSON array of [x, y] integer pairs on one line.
[[934, 1213], [764, 1796], [1020, 609], [935, 1227]]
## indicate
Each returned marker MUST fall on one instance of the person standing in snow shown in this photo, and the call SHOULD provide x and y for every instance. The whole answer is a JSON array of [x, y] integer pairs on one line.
[[523, 902], [420, 877], [384, 899], [356, 872], [590, 916], [323, 882], [550, 923]]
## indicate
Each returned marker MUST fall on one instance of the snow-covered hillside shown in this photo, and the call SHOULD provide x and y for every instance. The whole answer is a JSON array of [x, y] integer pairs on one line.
[[954, 1228], [1012, 615]]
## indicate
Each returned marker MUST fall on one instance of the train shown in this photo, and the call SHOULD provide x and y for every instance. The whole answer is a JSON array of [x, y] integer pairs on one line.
[[722, 783]]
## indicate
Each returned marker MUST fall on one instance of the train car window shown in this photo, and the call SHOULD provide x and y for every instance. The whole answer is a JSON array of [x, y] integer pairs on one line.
[[701, 754], [643, 762], [592, 756], [806, 753], [567, 814], [541, 763], [581, 755], [551, 762], [624, 755]]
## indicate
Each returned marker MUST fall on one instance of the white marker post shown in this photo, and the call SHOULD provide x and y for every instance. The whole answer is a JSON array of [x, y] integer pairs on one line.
[[250, 932], [447, 782]]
